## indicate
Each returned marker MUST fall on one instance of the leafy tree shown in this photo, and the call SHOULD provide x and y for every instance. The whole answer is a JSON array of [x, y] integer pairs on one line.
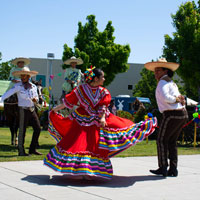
[[184, 46], [5, 68], [98, 49], [146, 86]]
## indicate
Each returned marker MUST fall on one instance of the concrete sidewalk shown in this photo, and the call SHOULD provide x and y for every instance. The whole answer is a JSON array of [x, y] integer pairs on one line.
[[29, 180]]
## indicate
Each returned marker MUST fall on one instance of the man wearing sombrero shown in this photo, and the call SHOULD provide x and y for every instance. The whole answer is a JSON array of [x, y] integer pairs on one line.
[[72, 74], [18, 63], [27, 96], [174, 115]]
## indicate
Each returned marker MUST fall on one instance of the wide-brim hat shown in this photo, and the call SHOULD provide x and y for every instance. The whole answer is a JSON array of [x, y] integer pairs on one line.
[[21, 59], [162, 62], [24, 71], [79, 61]]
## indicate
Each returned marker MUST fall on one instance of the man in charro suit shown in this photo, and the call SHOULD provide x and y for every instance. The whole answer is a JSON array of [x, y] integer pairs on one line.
[[11, 104], [27, 97], [174, 115]]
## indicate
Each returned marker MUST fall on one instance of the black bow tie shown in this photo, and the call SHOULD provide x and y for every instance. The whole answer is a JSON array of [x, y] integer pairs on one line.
[[27, 85]]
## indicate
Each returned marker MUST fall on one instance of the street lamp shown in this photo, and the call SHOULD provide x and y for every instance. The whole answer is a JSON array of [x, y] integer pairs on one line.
[[50, 57]]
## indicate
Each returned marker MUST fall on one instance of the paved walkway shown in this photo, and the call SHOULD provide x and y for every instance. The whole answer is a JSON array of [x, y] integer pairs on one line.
[[28, 180]]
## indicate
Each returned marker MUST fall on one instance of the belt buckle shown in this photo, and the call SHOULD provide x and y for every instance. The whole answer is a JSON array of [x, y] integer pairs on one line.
[[31, 109]]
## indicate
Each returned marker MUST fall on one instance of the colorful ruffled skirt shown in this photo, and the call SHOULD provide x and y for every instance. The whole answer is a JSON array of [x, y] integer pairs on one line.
[[85, 150]]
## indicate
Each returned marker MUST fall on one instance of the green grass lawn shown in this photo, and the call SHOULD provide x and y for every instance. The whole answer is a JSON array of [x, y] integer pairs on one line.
[[10, 153]]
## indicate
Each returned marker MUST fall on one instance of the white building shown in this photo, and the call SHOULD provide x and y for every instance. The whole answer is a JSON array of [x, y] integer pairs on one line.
[[123, 83]]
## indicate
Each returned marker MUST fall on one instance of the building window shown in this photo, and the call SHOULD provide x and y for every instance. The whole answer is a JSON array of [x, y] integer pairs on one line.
[[130, 87]]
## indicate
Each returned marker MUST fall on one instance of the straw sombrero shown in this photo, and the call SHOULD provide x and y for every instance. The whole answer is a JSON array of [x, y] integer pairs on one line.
[[20, 59], [79, 61], [162, 62], [24, 71]]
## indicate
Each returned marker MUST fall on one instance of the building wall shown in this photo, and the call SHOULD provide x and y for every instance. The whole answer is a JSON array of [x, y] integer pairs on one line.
[[118, 87], [43, 67], [124, 80]]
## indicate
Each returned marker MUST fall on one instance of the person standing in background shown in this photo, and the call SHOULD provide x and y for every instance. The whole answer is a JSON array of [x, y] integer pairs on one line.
[[112, 108], [72, 75]]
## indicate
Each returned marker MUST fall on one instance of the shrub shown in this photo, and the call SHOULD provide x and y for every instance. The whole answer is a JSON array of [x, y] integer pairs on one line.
[[125, 114]]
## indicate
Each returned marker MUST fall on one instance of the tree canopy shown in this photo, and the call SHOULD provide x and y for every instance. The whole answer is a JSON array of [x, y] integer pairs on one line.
[[4, 69], [146, 86], [98, 49], [184, 46]]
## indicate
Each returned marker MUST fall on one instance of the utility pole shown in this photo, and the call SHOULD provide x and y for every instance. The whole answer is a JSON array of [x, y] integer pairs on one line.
[[50, 57]]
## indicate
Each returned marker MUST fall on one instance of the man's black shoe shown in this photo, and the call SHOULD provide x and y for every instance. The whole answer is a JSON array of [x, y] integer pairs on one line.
[[35, 153], [160, 171], [22, 154], [172, 172]]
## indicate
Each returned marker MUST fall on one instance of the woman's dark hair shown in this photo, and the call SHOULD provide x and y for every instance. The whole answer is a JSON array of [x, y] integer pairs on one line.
[[170, 73], [97, 73]]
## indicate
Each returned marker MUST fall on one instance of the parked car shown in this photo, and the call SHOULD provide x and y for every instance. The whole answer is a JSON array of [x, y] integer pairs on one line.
[[126, 103]]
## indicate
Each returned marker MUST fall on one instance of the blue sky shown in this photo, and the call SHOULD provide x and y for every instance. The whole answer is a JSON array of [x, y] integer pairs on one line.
[[33, 28]]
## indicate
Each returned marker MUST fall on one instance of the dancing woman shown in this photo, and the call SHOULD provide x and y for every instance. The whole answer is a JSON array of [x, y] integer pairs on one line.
[[91, 134]]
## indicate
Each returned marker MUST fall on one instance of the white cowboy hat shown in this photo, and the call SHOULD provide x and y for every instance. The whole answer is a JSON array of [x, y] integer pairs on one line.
[[79, 61], [21, 59], [24, 71], [161, 62]]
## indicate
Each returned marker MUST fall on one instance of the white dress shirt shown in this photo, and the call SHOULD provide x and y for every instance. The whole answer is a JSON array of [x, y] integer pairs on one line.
[[25, 96], [166, 93]]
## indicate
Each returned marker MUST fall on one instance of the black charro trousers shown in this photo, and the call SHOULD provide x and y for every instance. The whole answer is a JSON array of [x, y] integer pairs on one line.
[[28, 117], [169, 131]]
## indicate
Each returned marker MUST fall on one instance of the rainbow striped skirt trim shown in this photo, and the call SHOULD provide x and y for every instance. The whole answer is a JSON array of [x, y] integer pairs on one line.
[[53, 132], [117, 140], [78, 163]]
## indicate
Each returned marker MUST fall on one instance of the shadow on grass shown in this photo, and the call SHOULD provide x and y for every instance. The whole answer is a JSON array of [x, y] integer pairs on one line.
[[9, 156], [46, 146], [188, 145], [115, 182], [12, 151], [8, 152], [5, 147]]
